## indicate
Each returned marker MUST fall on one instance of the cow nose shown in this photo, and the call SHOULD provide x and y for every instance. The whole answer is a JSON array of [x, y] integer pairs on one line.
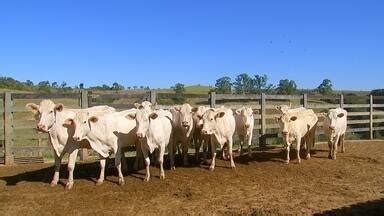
[[247, 126], [184, 123], [76, 138], [40, 126], [332, 127], [204, 131]]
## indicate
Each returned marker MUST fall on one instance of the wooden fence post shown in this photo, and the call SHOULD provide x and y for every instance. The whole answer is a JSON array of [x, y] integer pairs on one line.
[[8, 129], [262, 139], [341, 101], [152, 97], [84, 104], [212, 99], [305, 100], [370, 116]]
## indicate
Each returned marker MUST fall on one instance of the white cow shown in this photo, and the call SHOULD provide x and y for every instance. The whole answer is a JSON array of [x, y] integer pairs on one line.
[[296, 126], [183, 127], [244, 127], [198, 137], [335, 126], [51, 118], [106, 133], [220, 125], [154, 129]]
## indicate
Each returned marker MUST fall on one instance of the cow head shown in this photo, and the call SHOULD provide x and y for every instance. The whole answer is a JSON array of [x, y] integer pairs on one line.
[[209, 120], [198, 115], [82, 124], [45, 113], [143, 118], [333, 116], [246, 116], [285, 122]]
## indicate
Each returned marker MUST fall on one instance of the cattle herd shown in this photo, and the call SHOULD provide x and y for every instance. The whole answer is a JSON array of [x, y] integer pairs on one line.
[[107, 131]]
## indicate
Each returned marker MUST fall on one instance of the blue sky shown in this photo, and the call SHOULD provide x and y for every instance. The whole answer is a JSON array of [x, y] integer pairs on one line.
[[160, 43]]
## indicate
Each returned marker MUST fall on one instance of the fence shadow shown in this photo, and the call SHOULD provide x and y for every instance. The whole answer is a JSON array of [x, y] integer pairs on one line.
[[374, 207]]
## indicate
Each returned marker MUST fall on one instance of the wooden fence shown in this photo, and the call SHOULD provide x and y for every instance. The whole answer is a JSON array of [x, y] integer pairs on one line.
[[364, 115]]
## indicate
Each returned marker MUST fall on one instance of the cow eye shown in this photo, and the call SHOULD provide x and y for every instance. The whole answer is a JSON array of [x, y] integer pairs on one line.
[[85, 122], [51, 111], [211, 119]]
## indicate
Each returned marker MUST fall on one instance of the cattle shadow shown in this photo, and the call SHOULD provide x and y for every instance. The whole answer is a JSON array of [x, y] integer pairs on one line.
[[374, 207]]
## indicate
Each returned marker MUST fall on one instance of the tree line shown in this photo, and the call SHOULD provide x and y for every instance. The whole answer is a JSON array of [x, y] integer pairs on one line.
[[256, 84]]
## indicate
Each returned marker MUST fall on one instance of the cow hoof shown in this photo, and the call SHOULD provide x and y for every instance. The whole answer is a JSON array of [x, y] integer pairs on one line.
[[299, 161], [334, 158], [308, 157], [146, 179], [173, 168], [99, 182], [233, 167], [211, 168], [286, 161], [121, 182], [53, 184], [162, 176], [68, 186]]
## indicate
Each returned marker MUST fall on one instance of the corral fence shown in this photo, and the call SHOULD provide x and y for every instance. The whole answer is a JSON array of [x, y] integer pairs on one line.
[[21, 143]]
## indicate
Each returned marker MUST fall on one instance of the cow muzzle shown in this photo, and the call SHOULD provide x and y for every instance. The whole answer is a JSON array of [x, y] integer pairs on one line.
[[41, 127], [76, 138]]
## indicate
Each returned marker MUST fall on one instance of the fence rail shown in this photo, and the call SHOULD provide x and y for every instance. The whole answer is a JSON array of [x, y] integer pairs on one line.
[[362, 117]]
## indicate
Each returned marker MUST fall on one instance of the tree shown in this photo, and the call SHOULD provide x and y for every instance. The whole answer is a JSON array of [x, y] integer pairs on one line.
[[63, 85], [29, 83], [260, 84], [243, 84], [179, 89], [325, 87], [287, 87], [116, 86], [44, 86], [135, 87], [55, 85], [81, 86], [224, 85]]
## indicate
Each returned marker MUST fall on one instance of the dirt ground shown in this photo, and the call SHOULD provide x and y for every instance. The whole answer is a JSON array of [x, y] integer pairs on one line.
[[264, 185]]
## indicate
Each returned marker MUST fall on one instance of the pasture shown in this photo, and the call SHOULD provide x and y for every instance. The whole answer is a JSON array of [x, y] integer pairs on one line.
[[263, 185]]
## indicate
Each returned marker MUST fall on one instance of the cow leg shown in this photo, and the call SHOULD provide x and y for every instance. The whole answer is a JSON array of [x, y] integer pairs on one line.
[[205, 149], [139, 161], [147, 163], [124, 163], [102, 171], [298, 146], [118, 165], [230, 151], [308, 148], [213, 147], [71, 168], [171, 154], [185, 146], [330, 147], [250, 145], [342, 143], [161, 160], [335, 147], [55, 178], [197, 143], [288, 148]]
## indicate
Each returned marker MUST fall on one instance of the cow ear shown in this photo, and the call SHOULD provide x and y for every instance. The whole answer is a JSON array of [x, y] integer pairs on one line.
[[177, 108], [68, 121], [278, 107], [340, 115], [59, 107], [153, 116], [238, 111], [219, 114], [194, 109], [138, 106], [293, 118], [131, 116], [93, 119], [33, 107]]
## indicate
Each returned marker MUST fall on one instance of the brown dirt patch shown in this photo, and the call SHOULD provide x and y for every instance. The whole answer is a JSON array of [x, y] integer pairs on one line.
[[264, 185]]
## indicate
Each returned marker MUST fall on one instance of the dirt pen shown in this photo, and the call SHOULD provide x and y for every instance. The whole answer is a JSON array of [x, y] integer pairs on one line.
[[262, 185]]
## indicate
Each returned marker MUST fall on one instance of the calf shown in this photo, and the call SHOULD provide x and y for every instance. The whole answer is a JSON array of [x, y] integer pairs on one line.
[[244, 127], [51, 119], [335, 126], [106, 133], [220, 125], [154, 132], [183, 127], [296, 126]]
